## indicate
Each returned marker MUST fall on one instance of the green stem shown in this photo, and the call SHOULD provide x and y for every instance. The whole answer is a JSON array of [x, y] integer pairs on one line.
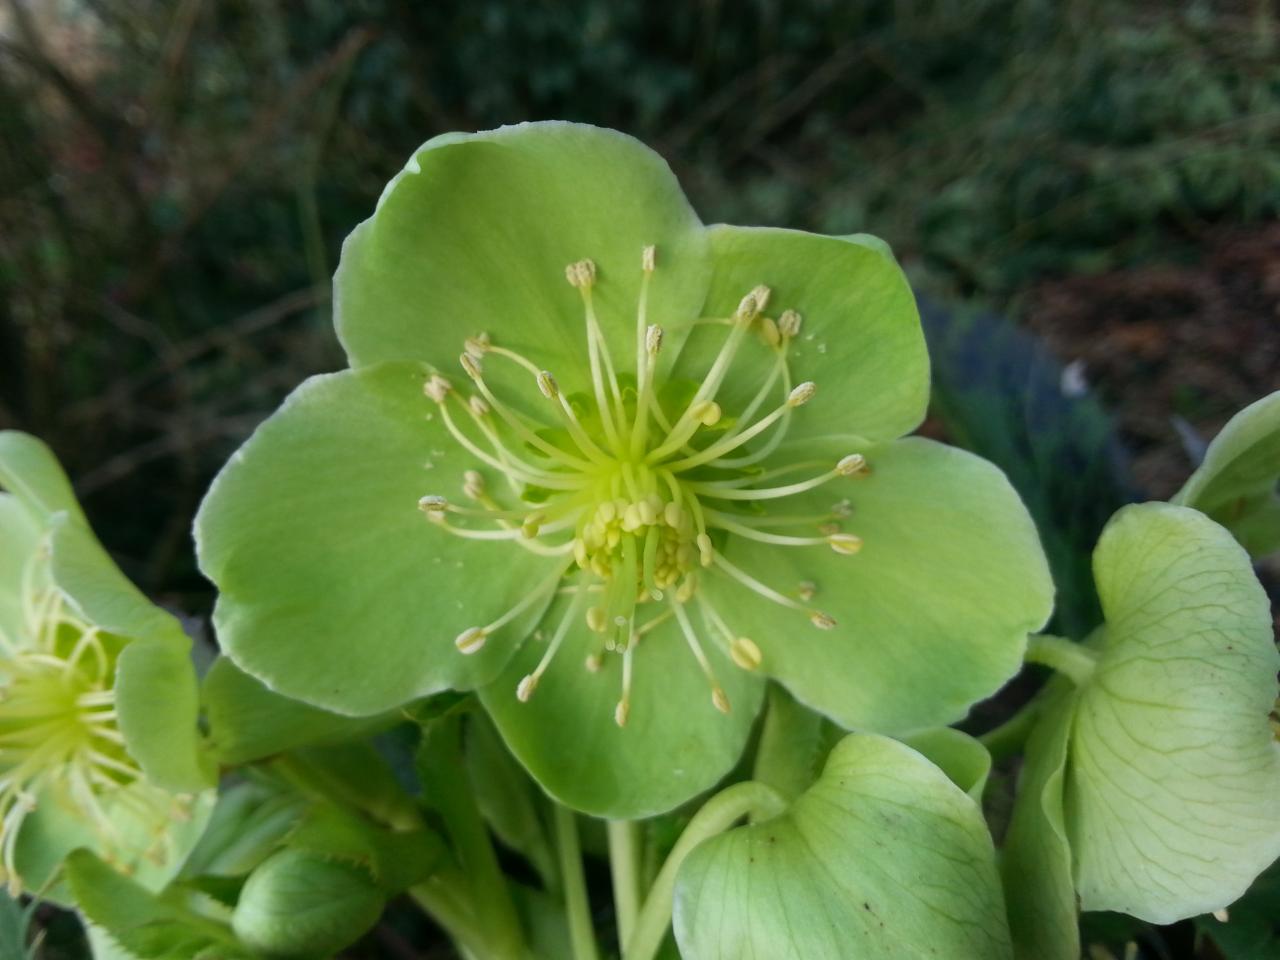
[[717, 815], [438, 898], [1067, 657], [1008, 738], [581, 933], [451, 795], [624, 865]]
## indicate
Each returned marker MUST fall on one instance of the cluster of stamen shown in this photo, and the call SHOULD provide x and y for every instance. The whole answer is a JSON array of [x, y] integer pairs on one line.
[[59, 734], [634, 503]]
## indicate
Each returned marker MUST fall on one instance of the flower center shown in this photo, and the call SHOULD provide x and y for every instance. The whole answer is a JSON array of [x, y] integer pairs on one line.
[[58, 726], [635, 493]]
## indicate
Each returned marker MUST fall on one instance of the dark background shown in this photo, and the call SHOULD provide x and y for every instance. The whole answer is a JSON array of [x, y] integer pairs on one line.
[[1087, 191]]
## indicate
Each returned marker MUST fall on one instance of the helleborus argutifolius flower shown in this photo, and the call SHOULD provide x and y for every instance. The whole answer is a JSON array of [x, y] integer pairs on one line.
[[98, 735], [883, 857], [1236, 484], [614, 468], [1158, 778]]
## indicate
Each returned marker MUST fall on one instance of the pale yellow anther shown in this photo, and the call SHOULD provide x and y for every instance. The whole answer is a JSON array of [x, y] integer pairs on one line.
[[842, 508], [532, 523], [621, 712], [706, 553], [581, 274], [433, 504], [653, 339], [473, 484], [688, 587], [748, 308], [853, 465], [673, 514], [707, 413], [720, 699], [471, 640], [845, 543], [478, 345], [547, 384], [593, 663], [801, 394], [761, 293], [822, 620], [470, 365], [632, 518], [525, 688], [437, 388], [827, 529], [769, 331], [807, 590], [649, 259], [648, 511], [597, 619], [744, 652], [479, 406], [789, 324]]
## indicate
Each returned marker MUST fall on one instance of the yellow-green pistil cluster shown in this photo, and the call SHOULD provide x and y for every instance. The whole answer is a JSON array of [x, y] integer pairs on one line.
[[59, 735], [630, 499]]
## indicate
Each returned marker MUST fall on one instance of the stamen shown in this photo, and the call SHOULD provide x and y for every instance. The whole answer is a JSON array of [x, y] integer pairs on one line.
[[582, 275], [623, 710], [798, 397], [816, 617], [720, 490], [528, 684], [472, 639], [718, 696]]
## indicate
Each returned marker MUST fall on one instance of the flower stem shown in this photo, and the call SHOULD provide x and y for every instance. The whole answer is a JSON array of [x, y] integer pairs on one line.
[[624, 865], [717, 815], [1066, 656], [1008, 738], [581, 934]]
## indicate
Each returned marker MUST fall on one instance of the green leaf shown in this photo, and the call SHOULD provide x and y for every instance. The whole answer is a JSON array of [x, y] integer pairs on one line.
[[958, 755], [860, 343], [1036, 858], [1174, 772], [675, 745], [335, 589], [248, 721], [1236, 482], [931, 615], [30, 471], [475, 236], [148, 925], [882, 857]]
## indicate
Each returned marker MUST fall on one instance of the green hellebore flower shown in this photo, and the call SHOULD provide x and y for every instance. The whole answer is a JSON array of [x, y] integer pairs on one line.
[[613, 468], [1152, 786], [98, 736]]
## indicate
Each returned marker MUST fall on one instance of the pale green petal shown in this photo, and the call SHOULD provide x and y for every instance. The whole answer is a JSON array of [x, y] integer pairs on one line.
[[883, 857], [19, 539], [475, 234], [335, 589], [1036, 856], [1236, 482], [30, 471], [1173, 799], [860, 343], [932, 614], [158, 704], [675, 745]]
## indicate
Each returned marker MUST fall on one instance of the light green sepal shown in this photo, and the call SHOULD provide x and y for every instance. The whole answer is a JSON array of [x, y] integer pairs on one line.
[[675, 744], [475, 234], [335, 589], [1171, 802], [1236, 482], [1036, 856], [883, 857], [19, 540], [30, 471], [860, 341]]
